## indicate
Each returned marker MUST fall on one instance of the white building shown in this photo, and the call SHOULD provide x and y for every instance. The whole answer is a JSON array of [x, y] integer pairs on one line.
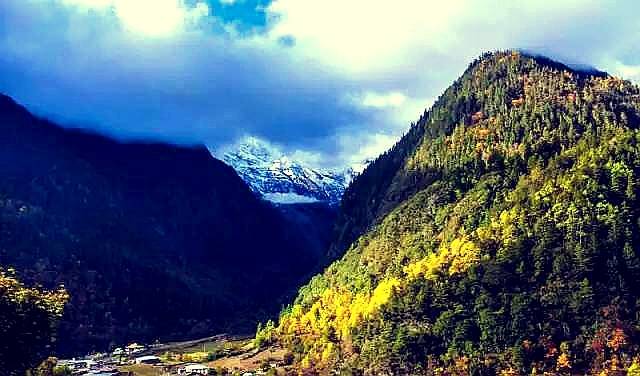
[[134, 348], [149, 359], [82, 365], [192, 368]]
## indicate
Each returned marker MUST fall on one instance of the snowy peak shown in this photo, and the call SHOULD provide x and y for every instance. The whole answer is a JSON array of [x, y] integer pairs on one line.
[[280, 179]]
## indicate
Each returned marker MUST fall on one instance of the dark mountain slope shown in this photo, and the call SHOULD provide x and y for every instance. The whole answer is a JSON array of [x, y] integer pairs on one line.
[[151, 240], [505, 241], [314, 223]]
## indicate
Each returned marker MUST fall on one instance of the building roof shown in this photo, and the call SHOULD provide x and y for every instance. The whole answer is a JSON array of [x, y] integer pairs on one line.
[[147, 357], [196, 366]]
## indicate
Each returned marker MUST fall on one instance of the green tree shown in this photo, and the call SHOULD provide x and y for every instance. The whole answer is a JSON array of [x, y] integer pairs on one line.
[[28, 319]]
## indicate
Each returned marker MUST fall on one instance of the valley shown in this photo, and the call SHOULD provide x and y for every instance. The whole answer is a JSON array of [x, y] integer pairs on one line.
[[498, 236], [319, 188]]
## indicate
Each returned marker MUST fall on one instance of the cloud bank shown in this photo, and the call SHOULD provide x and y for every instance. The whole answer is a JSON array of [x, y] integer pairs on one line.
[[339, 79]]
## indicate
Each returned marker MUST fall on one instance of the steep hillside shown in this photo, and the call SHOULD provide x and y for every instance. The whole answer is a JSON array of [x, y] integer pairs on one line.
[[500, 235], [151, 240]]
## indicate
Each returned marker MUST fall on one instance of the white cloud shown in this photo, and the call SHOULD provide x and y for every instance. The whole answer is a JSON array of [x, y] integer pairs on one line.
[[420, 46], [150, 18], [94, 4], [364, 146], [405, 53], [382, 100], [362, 35], [288, 198], [374, 37], [308, 158], [631, 72]]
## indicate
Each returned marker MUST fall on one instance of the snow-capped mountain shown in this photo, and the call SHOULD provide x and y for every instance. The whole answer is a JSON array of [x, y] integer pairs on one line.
[[278, 178]]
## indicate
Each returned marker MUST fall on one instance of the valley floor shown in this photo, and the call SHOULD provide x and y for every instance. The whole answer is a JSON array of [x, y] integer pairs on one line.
[[217, 355]]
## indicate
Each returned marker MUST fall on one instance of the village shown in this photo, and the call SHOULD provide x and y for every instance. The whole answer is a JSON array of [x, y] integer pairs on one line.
[[218, 355]]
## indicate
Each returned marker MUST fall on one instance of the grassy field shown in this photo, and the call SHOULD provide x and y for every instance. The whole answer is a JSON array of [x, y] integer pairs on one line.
[[250, 360], [214, 346], [141, 370]]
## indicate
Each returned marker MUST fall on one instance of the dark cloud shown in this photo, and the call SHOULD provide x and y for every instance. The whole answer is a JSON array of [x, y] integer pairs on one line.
[[190, 88]]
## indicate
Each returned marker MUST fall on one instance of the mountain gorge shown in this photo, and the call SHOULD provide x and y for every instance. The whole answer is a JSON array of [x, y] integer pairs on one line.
[[500, 235], [151, 241]]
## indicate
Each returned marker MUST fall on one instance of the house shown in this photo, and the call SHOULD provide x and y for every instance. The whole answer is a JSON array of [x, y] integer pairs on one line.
[[194, 368], [171, 369], [79, 366], [134, 348], [149, 359]]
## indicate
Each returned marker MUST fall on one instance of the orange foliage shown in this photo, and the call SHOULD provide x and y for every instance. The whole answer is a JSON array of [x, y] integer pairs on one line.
[[482, 132], [564, 362], [617, 340]]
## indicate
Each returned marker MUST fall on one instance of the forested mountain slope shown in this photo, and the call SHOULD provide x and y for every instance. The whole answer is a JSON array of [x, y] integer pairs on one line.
[[500, 235], [152, 241]]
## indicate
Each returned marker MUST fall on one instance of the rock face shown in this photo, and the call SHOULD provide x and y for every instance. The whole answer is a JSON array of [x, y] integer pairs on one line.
[[282, 180], [152, 241]]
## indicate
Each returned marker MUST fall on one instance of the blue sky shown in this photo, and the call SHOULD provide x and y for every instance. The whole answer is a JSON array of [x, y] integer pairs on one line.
[[331, 81], [247, 15]]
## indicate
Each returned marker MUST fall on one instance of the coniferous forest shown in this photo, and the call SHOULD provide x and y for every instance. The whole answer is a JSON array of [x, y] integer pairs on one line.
[[500, 235]]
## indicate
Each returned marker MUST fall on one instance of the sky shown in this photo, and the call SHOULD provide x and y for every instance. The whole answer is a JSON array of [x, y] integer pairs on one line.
[[330, 81]]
